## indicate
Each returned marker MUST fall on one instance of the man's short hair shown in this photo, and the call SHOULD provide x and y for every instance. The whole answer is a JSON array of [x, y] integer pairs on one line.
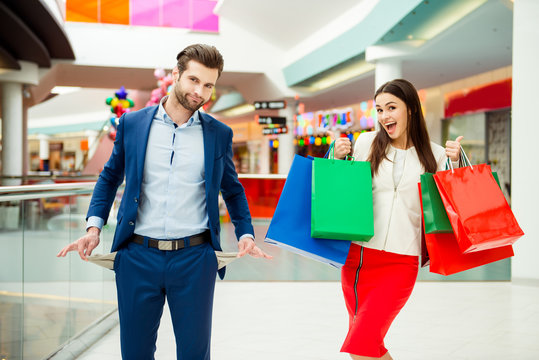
[[207, 55]]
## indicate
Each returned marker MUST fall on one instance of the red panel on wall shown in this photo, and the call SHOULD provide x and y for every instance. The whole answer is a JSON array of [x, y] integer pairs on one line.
[[263, 195], [496, 95]]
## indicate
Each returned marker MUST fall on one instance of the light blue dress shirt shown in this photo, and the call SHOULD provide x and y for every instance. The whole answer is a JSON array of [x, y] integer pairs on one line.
[[173, 197]]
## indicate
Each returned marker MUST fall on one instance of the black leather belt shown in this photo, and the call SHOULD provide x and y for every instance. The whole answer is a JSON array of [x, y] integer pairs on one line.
[[173, 244]]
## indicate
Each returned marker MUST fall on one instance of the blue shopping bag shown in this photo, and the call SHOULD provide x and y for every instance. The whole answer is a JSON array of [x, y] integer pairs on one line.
[[290, 227]]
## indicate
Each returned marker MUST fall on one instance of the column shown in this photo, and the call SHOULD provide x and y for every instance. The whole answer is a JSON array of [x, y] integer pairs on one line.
[[263, 159], [43, 152], [12, 135], [13, 116], [253, 147], [388, 59], [92, 145], [524, 129], [286, 149], [387, 70], [25, 153]]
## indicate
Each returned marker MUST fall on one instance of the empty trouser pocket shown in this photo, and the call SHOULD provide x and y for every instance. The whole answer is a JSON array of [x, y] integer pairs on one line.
[[107, 260], [225, 258]]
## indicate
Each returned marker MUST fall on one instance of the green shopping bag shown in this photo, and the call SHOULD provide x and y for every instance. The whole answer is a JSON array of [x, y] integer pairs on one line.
[[341, 206], [434, 214]]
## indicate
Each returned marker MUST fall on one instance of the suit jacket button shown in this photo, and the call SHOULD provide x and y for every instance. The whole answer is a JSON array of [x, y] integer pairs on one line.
[[136, 200], [131, 223]]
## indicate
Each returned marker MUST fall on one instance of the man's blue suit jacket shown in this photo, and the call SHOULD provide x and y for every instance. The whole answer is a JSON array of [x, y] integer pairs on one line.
[[127, 159]]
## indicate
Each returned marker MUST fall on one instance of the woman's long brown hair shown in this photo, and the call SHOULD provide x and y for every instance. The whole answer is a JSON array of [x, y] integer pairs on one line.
[[416, 130]]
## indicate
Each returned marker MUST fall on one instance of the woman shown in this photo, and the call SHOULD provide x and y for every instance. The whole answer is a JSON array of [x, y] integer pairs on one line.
[[379, 275]]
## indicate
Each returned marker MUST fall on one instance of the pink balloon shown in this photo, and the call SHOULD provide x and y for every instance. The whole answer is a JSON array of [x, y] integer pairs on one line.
[[159, 73]]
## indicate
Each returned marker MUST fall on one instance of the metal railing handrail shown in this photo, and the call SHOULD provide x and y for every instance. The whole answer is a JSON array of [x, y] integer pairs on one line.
[[26, 192], [11, 189], [29, 192]]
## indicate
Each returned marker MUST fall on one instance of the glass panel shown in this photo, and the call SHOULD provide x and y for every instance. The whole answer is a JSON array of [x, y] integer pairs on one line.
[[81, 10], [145, 12], [115, 11], [11, 281], [46, 278], [176, 13], [203, 17], [472, 127], [86, 280], [45, 300]]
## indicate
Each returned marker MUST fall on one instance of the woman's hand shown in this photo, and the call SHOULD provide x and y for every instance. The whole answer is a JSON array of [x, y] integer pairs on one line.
[[343, 146], [452, 149]]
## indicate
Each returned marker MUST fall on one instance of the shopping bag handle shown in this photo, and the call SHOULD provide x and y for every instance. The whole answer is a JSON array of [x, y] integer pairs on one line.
[[331, 148], [463, 158], [331, 153]]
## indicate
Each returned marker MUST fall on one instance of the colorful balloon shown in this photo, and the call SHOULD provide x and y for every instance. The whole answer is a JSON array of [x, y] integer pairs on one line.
[[119, 105]]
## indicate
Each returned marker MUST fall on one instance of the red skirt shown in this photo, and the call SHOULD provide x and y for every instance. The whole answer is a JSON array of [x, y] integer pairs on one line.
[[376, 285]]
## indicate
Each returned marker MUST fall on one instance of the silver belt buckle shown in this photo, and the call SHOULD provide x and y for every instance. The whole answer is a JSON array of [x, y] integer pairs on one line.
[[164, 245]]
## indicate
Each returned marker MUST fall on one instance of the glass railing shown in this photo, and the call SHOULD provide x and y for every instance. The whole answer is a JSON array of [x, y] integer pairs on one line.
[[45, 301]]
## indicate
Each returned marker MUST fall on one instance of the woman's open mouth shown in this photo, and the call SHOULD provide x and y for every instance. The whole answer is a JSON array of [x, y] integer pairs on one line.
[[390, 126]]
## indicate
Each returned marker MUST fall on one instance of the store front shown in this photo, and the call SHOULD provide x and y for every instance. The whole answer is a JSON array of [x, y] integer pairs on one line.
[[312, 128]]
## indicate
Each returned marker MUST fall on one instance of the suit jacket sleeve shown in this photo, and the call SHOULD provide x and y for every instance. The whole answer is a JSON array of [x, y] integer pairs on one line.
[[110, 178], [234, 194]]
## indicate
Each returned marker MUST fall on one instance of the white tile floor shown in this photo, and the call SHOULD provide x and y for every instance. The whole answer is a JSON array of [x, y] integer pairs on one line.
[[308, 321]]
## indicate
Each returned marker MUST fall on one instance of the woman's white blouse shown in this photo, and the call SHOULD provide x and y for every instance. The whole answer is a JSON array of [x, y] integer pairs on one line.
[[396, 206]]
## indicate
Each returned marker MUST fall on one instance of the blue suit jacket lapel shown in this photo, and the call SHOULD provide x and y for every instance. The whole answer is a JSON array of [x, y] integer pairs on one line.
[[208, 133], [143, 132]]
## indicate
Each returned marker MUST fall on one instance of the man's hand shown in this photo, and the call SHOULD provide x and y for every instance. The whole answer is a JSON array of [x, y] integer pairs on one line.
[[84, 245], [452, 148], [247, 246]]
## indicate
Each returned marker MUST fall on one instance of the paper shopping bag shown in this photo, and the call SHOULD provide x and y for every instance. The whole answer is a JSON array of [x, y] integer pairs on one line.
[[436, 220], [434, 214], [445, 257], [479, 214], [342, 200], [290, 227]]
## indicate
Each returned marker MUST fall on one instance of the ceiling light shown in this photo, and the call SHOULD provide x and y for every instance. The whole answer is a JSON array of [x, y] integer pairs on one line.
[[226, 101], [60, 90], [238, 110], [346, 73]]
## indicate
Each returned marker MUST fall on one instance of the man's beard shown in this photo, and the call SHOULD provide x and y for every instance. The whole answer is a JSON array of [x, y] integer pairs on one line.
[[184, 101]]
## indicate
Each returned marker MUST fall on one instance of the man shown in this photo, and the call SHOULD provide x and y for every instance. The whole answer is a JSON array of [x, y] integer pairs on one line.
[[175, 160]]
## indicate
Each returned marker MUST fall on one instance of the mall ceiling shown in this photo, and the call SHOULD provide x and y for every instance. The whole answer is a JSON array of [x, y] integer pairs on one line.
[[29, 32], [479, 42]]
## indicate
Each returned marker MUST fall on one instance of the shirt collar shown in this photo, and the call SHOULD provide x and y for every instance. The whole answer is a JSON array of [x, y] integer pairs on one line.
[[163, 116]]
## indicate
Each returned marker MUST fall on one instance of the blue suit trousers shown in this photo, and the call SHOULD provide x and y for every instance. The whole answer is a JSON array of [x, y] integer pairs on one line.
[[186, 278]]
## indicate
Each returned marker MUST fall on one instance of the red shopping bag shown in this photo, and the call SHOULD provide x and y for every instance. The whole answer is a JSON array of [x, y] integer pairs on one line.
[[479, 214], [447, 259]]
